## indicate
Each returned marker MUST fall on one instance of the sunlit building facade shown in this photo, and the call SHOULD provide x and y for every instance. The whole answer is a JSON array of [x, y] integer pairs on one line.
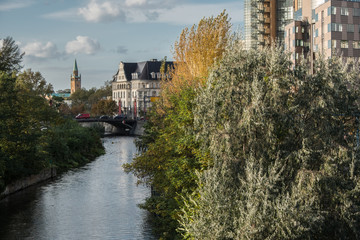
[[265, 21], [331, 27]]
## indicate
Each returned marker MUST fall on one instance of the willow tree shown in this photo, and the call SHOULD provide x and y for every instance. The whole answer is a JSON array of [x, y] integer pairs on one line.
[[286, 162], [170, 154]]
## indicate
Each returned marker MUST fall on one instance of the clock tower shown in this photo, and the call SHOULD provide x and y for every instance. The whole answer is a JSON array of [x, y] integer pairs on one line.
[[75, 79]]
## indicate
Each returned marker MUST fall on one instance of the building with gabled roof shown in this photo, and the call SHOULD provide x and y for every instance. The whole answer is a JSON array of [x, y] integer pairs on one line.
[[135, 85]]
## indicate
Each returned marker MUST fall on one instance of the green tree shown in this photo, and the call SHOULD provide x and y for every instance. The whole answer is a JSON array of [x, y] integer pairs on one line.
[[34, 82], [104, 107], [10, 56], [285, 161], [170, 154]]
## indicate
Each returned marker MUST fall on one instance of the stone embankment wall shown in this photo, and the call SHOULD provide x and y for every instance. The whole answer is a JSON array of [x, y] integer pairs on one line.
[[27, 182]]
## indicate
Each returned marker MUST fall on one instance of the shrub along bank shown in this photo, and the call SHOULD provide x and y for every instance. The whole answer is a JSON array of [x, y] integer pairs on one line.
[[34, 136]]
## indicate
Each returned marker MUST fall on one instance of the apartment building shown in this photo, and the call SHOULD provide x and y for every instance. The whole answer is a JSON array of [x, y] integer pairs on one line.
[[136, 85], [330, 27]]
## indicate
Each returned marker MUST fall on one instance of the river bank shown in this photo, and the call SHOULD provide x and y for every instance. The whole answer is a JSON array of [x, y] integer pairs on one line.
[[23, 183], [96, 201]]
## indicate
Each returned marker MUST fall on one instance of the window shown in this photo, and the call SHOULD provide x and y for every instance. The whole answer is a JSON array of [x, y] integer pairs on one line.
[[331, 10], [296, 29], [316, 17], [152, 75], [329, 44], [344, 44], [296, 56], [154, 93], [302, 29], [356, 12], [356, 44], [350, 27], [344, 11], [316, 34], [299, 43], [316, 48], [134, 75], [336, 27]]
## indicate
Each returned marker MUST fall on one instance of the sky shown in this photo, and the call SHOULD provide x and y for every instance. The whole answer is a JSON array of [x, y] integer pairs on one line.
[[101, 33]]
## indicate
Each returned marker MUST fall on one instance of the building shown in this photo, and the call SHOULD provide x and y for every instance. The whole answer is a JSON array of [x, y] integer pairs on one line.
[[265, 21], [136, 85], [329, 27], [75, 79]]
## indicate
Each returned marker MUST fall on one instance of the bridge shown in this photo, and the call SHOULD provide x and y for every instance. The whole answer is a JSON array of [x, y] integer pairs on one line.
[[112, 126]]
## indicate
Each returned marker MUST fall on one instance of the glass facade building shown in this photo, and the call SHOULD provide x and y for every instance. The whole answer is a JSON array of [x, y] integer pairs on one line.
[[265, 21]]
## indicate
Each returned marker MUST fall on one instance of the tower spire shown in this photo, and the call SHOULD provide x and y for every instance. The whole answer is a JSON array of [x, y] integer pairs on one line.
[[75, 79], [75, 66]]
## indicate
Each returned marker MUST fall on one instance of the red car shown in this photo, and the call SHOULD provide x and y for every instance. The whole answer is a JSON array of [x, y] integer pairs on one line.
[[83, 116]]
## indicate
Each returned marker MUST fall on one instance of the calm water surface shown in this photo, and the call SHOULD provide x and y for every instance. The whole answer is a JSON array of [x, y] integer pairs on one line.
[[97, 201]]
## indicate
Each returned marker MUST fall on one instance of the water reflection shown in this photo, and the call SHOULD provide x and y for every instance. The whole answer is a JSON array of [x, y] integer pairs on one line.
[[97, 201]]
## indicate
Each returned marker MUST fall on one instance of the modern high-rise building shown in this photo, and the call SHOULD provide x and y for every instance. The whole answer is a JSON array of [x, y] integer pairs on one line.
[[265, 21], [305, 27], [330, 27]]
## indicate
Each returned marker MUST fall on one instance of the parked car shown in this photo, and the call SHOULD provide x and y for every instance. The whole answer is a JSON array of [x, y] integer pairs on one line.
[[83, 116], [104, 117]]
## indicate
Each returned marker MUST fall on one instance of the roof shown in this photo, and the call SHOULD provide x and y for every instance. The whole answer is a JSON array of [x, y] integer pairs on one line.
[[144, 69], [75, 66]]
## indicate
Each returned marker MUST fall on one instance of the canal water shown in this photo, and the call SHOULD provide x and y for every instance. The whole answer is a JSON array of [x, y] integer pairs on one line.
[[97, 201]]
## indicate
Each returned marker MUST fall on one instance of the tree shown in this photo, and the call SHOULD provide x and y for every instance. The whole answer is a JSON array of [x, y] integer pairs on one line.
[[34, 82], [170, 154], [196, 51], [104, 107], [285, 161], [10, 56]]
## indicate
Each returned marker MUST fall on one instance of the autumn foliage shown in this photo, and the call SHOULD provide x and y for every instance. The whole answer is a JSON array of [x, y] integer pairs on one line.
[[196, 51]]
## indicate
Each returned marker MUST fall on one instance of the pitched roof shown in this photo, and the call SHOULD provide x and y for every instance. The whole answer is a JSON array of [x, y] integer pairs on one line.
[[75, 66], [144, 69]]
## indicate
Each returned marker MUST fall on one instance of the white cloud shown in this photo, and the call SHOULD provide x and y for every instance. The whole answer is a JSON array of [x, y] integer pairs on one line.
[[41, 50], [135, 2], [68, 15], [96, 12], [163, 11], [193, 13], [82, 44], [10, 5]]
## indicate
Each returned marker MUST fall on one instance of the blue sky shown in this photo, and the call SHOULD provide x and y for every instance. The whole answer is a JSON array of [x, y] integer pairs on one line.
[[101, 33]]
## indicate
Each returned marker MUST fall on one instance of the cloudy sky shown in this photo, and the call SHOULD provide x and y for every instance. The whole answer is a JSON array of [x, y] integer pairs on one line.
[[101, 33]]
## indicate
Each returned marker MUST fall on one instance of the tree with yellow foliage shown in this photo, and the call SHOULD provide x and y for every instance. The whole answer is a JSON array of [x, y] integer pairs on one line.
[[196, 51], [170, 154]]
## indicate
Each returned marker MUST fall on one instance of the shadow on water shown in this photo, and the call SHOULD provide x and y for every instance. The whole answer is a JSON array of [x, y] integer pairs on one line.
[[96, 201]]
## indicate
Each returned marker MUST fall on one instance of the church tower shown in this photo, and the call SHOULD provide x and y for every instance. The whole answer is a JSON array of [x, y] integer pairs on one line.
[[75, 79]]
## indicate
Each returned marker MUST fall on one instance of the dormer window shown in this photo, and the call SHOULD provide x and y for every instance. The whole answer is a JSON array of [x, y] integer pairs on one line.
[[134, 75], [158, 75], [152, 75]]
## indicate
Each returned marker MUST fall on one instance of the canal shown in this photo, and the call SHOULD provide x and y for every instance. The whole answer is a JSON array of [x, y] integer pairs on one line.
[[97, 201]]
